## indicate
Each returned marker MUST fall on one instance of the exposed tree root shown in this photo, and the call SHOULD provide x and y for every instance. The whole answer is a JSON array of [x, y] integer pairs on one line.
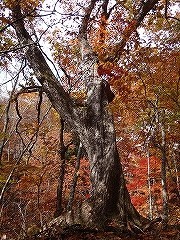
[[151, 223], [81, 222], [66, 227]]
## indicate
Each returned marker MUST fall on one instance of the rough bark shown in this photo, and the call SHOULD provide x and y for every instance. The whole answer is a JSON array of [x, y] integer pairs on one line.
[[93, 124], [110, 195]]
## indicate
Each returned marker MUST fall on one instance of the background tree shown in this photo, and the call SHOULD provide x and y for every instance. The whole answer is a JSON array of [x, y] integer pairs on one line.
[[149, 98]]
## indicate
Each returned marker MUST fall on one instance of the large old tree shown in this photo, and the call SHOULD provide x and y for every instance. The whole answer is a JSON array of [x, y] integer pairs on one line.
[[91, 120]]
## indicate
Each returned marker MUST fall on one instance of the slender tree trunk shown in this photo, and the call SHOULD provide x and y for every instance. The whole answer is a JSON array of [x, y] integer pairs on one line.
[[176, 158], [75, 178], [59, 207], [163, 174], [62, 152], [149, 186], [6, 123], [164, 187]]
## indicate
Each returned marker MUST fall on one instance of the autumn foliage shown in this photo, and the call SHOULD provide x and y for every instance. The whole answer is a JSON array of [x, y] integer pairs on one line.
[[146, 110]]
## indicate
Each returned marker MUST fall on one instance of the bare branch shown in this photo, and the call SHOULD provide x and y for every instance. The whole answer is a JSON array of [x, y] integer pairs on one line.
[[6, 121], [29, 89], [20, 157], [166, 12], [22, 67], [16, 48]]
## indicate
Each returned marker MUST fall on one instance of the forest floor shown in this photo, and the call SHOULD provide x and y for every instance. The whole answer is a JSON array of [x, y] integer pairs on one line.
[[171, 233]]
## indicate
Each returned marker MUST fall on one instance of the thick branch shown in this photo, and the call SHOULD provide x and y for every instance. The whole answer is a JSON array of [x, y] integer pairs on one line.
[[85, 21], [86, 49], [89, 66], [104, 18], [134, 24], [59, 98]]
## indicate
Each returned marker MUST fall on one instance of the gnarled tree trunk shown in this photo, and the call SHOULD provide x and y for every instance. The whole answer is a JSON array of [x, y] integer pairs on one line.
[[93, 124], [110, 198]]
